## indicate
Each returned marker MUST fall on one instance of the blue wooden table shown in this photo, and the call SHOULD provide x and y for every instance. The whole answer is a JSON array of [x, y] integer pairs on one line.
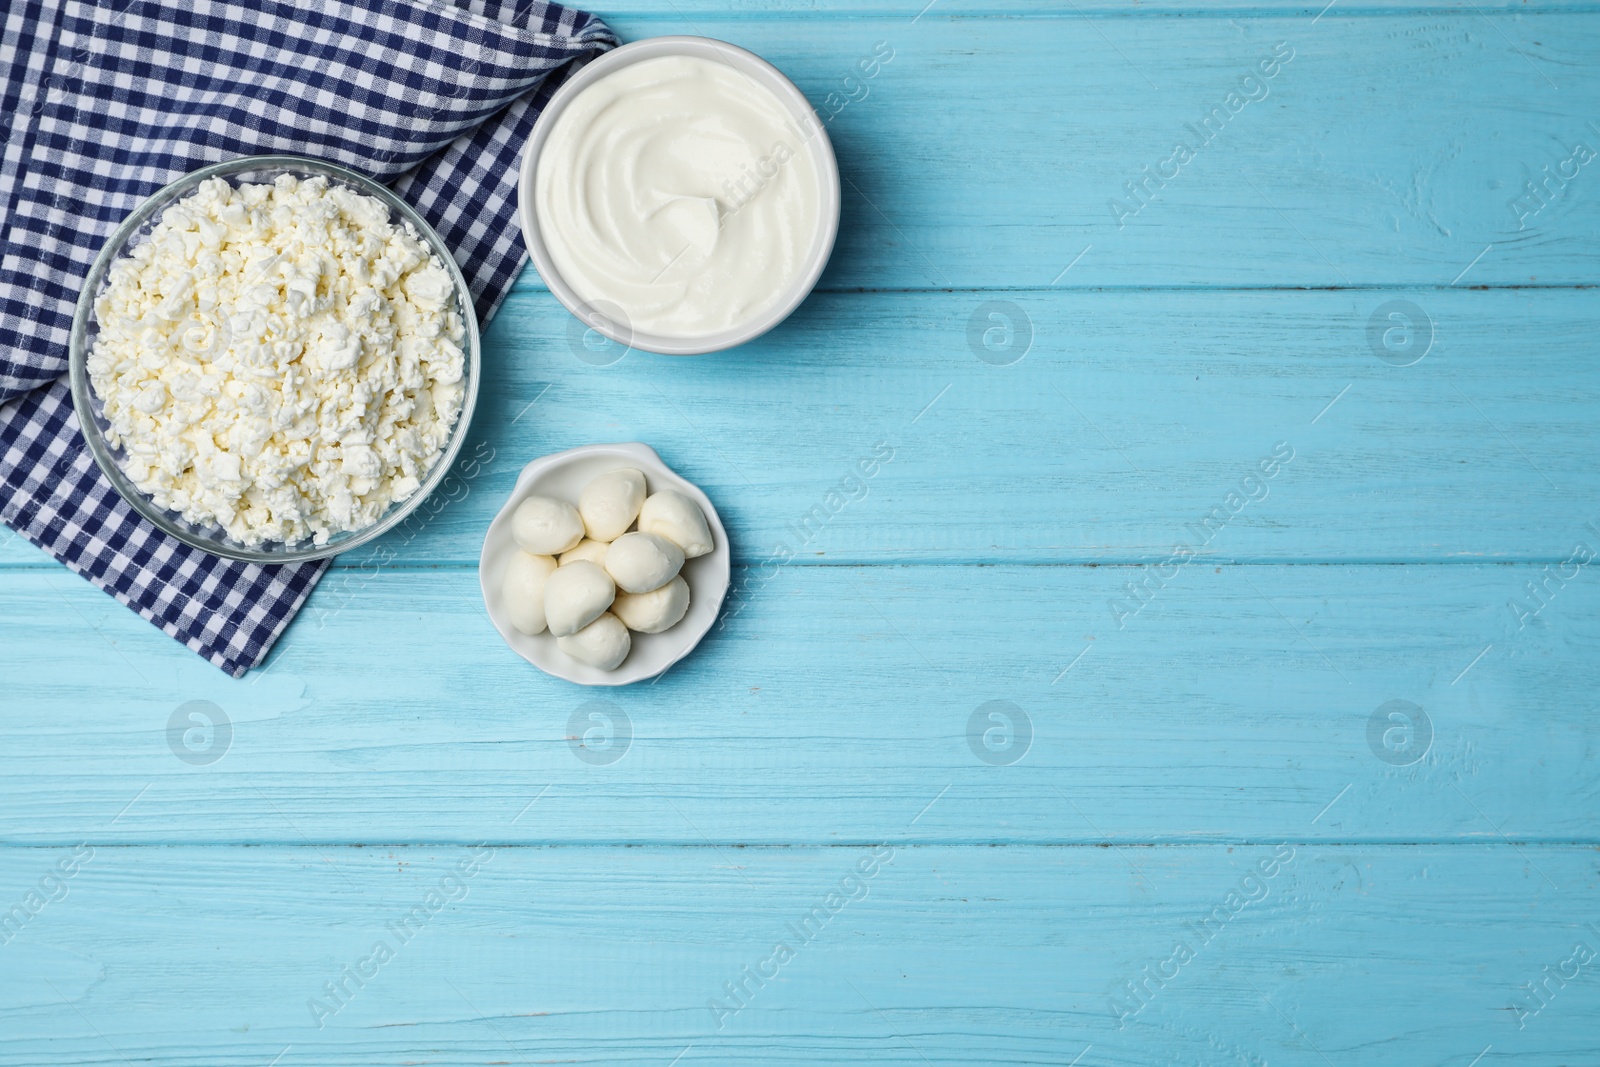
[[1205, 673]]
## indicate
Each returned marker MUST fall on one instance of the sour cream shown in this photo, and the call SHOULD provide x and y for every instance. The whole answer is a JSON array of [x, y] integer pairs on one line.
[[681, 191]]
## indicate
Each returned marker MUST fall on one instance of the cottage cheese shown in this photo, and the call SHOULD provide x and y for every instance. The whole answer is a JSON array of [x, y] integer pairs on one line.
[[279, 359]]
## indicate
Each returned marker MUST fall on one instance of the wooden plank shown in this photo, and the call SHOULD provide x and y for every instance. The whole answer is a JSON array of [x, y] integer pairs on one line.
[[1392, 149], [1131, 416], [1216, 714], [1224, 704], [211, 957], [921, 10]]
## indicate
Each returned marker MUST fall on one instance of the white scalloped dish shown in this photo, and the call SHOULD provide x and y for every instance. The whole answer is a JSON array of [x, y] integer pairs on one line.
[[563, 476]]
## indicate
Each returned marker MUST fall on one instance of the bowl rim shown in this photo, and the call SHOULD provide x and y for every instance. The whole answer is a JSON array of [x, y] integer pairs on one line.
[[805, 117], [170, 523], [496, 537]]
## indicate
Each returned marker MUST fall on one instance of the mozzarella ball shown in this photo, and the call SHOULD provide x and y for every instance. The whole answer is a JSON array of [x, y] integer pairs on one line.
[[522, 591], [674, 516], [611, 502], [575, 596], [593, 551], [641, 562], [604, 643], [546, 527], [657, 610]]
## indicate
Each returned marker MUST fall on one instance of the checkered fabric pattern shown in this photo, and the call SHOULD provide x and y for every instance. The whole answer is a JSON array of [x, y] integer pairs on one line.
[[105, 101]]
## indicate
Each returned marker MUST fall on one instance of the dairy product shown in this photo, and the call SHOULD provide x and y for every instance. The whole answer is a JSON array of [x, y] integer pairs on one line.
[[610, 503], [591, 550], [681, 191], [604, 643], [545, 526], [282, 360], [653, 611], [523, 591], [677, 518], [596, 592], [640, 562], [575, 595]]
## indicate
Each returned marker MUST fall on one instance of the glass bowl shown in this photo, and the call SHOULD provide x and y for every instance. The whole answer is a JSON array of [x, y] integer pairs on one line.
[[212, 537]]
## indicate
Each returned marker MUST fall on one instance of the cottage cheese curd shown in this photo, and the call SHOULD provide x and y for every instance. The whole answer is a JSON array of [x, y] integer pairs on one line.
[[281, 359], [680, 191]]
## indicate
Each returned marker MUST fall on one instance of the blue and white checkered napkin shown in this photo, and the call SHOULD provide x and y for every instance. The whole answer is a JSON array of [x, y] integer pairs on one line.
[[105, 101]]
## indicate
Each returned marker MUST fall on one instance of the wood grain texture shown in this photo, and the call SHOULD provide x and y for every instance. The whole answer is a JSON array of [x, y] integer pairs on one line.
[[1131, 416], [1357, 954], [1387, 152], [835, 704], [1164, 724], [917, 11]]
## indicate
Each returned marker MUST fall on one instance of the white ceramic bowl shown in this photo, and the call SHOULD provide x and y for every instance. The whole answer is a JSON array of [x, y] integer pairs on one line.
[[563, 476], [821, 155]]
